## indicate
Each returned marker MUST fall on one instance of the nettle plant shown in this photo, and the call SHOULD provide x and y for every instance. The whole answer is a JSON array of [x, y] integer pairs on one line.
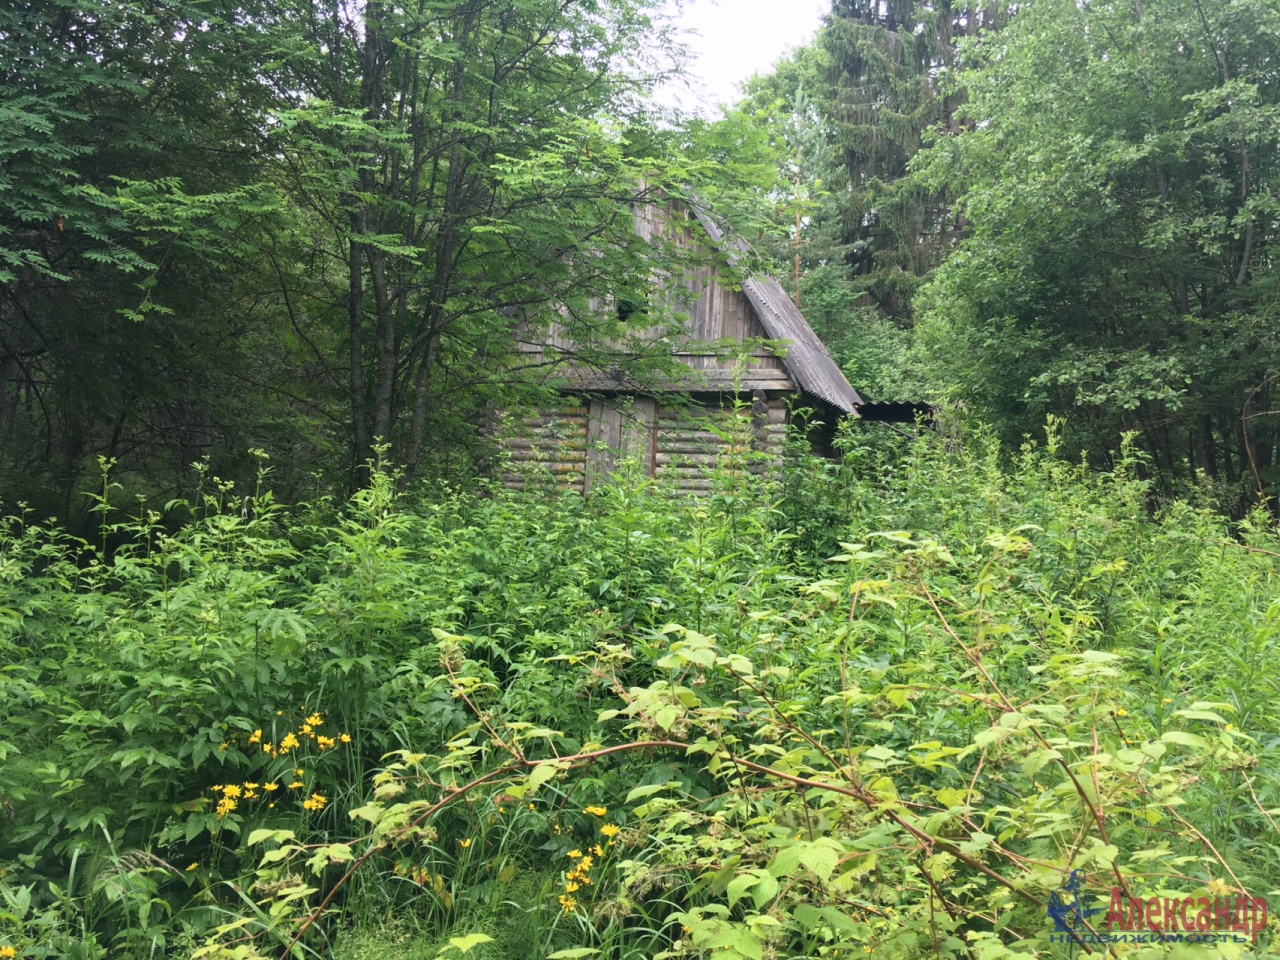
[[907, 759]]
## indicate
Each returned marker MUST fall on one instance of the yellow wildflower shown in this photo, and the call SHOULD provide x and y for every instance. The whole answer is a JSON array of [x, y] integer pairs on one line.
[[597, 811], [531, 806], [297, 785], [586, 863], [502, 809], [598, 850], [1218, 887], [1122, 712], [222, 745], [290, 742], [279, 713], [326, 743], [315, 720], [306, 730], [571, 887], [216, 788], [1231, 726], [345, 737], [1167, 700], [316, 802], [231, 790], [194, 866], [269, 748], [611, 829], [256, 736], [251, 786], [298, 773], [574, 854], [225, 806], [271, 787], [464, 844], [568, 903], [8, 952]]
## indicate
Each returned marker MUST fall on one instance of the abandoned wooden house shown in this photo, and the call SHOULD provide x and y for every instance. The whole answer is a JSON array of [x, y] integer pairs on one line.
[[746, 358]]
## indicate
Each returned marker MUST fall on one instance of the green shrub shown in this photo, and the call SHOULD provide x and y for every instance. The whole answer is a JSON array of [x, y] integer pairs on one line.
[[884, 706]]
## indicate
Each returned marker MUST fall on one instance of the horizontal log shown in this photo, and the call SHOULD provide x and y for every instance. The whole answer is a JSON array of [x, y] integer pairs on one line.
[[510, 479], [667, 441], [530, 463], [543, 444]]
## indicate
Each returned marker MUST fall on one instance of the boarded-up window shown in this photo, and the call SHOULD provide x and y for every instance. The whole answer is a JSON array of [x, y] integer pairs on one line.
[[619, 428]]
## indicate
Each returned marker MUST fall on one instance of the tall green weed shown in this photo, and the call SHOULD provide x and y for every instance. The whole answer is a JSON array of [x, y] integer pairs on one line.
[[999, 678]]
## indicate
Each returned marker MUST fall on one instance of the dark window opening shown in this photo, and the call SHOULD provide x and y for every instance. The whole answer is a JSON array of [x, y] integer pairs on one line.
[[629, 308]]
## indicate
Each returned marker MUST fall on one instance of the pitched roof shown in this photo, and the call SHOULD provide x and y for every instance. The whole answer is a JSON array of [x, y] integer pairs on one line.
[[807, 359]]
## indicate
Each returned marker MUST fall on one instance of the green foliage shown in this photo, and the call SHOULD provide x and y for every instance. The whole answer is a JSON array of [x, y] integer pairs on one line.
[[750, 738], [140, 233], [313, 227], [1119, 187]]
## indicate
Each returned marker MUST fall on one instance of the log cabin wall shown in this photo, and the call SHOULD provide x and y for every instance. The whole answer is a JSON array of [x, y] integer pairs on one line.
[[725, 340], [576, 444], [542, 447]]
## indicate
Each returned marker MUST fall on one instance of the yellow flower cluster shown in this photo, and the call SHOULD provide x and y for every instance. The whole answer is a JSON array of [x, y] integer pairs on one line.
[[580, 875], [576, 879], [233, 793], [293, 741], [8, 952]]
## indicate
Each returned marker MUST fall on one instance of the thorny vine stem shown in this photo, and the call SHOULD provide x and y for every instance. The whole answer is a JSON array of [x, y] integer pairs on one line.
[[976, 660]]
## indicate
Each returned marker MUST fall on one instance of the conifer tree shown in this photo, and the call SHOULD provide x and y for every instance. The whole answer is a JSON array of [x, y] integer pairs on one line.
[[881, 65]]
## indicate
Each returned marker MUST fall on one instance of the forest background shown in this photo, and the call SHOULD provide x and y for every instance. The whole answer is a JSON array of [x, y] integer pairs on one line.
[[272, 253], [301, 228]]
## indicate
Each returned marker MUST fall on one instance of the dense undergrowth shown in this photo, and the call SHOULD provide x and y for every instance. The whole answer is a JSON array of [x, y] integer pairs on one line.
[[883, 708]]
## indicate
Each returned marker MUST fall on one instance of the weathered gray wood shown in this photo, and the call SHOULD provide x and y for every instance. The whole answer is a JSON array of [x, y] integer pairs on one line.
[[619, 428], [542, 445], [581, 442]]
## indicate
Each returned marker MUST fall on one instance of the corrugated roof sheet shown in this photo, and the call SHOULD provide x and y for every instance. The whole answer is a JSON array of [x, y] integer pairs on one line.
[[807, 359]]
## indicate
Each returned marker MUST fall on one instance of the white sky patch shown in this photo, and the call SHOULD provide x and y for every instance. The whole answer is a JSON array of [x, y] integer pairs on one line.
[[729, 40]]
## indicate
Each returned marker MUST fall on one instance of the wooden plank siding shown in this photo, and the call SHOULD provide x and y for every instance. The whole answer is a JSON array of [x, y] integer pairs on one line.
[[710, 311]]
